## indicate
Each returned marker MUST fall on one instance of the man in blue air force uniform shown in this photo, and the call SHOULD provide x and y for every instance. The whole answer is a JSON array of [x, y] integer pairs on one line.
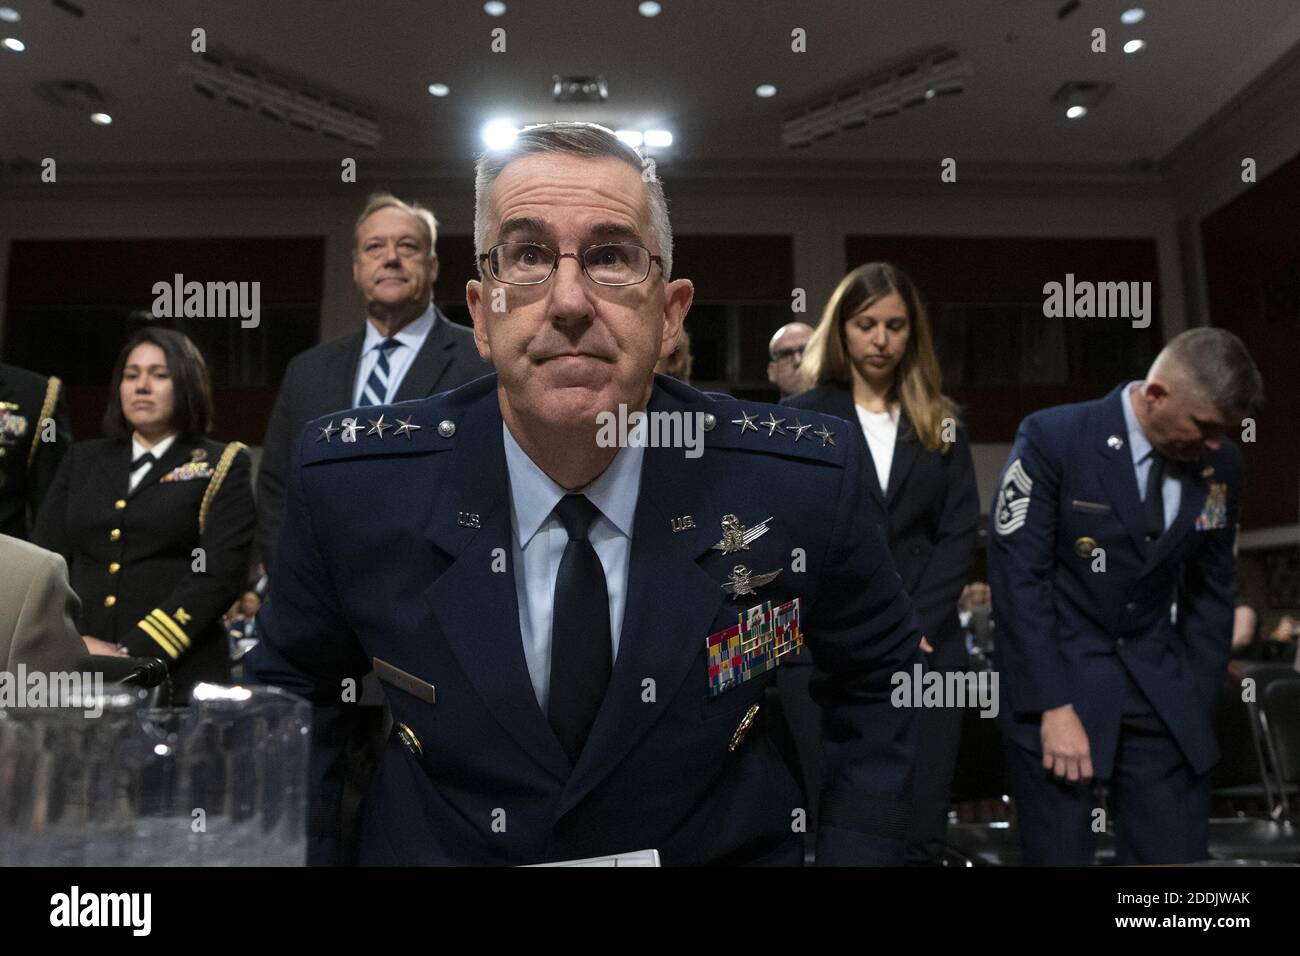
[[575, 638], [1111, 567]]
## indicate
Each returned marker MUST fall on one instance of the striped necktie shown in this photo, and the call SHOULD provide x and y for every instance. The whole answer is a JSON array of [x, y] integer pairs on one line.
[[375, 391]]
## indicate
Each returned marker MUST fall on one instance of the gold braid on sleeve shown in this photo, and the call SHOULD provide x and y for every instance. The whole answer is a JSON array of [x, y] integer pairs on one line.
[[47, 409]]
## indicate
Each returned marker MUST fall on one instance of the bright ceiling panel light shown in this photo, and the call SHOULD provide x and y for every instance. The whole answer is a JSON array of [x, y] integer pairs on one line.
[[1133, 46], [1076, 112], [100, 119], [649, 8], [499, 133], [765, 90], [494, 8], [9, 15], [10, 43], [1132, 15], [439, 89]]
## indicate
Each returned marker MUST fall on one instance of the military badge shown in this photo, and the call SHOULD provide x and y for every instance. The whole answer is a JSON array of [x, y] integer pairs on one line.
[[741, 580], [1215, 513], [12, 427], [761, 637], [1012, 506], [736, 537], [190, 471]]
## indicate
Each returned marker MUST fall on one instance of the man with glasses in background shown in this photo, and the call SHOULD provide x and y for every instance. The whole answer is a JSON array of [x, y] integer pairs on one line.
[[574, 635], [786, 351]]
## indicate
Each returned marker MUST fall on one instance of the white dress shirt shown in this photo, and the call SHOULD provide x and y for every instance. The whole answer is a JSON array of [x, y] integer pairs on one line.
[[411, 337], [158, 450], [1171, 489], [881, 429], [539, 540]]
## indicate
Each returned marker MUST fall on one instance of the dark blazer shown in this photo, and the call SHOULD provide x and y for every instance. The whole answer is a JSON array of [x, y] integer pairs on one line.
[[1069, 629], [27, 464], [667, 766], [131, 556], [931, 511], [323, 378]]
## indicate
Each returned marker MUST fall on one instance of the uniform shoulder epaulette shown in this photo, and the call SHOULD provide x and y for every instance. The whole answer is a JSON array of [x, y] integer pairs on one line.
[[47, 410], [218, 476], [774, 430], [418, 426]]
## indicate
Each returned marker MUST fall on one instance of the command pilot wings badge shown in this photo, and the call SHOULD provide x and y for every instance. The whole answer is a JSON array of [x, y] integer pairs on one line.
[[1013, 499], [736, 537], [743, 581]]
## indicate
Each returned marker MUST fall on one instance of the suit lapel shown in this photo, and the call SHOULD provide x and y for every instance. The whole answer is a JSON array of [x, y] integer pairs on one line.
[[906, 447], [839, 402], [671, 606], [430, 362], [1117, 474], [478, 610], [341, 375]]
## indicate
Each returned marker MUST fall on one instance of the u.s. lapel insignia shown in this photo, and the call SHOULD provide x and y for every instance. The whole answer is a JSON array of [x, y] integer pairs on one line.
[[468, 519], [741, 580], [736, 537], [1115, 442], [684, 523]]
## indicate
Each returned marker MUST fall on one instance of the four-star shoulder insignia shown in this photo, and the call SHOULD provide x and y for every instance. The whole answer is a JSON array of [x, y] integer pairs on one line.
[[377, 427], [745, 421], [326, 431], [404, 427], [772, 424], [799, 429], [826, 435]]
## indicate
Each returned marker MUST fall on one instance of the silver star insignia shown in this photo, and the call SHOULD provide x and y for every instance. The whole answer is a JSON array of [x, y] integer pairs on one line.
[[736, 537], [800, 430], [745, 421], [826, 435], [772, 424], [377, 427], [743, 581], [404, 427], [326, 432]]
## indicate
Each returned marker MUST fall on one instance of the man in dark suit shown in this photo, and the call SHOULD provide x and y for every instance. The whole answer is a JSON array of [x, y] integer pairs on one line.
[[1111, 568], [408, 348], [574, 630], [27, 461]]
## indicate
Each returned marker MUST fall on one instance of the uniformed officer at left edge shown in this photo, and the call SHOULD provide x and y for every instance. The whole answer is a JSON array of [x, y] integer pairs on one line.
[[28, 463], [155, 521], [574, 633]]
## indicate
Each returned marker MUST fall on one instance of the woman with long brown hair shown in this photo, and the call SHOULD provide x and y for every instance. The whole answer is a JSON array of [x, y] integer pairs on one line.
[[872, 362]]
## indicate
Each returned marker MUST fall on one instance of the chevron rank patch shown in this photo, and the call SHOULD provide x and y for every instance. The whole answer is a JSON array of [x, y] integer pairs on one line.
[[1013, 499]]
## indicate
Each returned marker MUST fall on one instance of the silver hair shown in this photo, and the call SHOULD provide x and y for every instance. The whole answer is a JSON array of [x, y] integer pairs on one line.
[[382, 200], [1218, 366], [578, 139]]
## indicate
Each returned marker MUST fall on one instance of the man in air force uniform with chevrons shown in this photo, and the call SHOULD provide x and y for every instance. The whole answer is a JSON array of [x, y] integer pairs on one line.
[[1111, 569], [575, 639]]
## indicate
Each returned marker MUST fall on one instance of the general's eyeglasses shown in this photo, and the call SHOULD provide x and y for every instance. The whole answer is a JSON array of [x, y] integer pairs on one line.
[[609, 264]]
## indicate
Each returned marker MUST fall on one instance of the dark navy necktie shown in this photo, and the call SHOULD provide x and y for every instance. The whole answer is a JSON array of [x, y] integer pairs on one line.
[[376, 388], [581, 655], [1154, 503], [146, 459]]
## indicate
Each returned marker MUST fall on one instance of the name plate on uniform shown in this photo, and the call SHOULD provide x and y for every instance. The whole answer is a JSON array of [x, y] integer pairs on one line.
[[761, 637], [635, 858]]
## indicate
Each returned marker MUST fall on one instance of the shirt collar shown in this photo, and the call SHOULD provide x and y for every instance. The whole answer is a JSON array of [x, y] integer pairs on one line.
[[533, 495], [1139, 445], [158, 450], [412, 334]]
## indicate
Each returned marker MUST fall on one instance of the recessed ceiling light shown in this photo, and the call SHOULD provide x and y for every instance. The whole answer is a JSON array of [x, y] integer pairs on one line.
[[439, 89], [658, 138], [499, 133], [1076, 112], [630, 136], [10, 43], [1132, 15], [930, 93], [649, 8], [1132, 46], [765, 90], [494, 8], [101, 119], [9, 15]]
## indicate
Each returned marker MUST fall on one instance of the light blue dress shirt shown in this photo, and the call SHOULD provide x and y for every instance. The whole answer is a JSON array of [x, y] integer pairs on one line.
[[539, 540], [1140, 448], [412, 337]]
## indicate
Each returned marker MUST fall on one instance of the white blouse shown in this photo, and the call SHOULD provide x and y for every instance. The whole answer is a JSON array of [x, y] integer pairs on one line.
[[881, 429]]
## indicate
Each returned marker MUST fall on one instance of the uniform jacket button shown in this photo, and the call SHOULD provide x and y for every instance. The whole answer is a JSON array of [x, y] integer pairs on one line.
[[110, 601], [119, 504], [115, 534]]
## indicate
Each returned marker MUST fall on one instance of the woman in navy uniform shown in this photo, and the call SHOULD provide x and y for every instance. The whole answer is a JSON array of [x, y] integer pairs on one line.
[[872, 362], [155, 521]]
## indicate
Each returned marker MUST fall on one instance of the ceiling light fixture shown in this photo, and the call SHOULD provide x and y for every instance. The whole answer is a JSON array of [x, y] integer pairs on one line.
[[765, 90], [1132, 15], [439, 89], [101, 119], [1079, 96], [658, 138], [630, 136], [499, 133], [1133, 46], [494, 8], [9, 15], [649, 8], [9, 43]]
